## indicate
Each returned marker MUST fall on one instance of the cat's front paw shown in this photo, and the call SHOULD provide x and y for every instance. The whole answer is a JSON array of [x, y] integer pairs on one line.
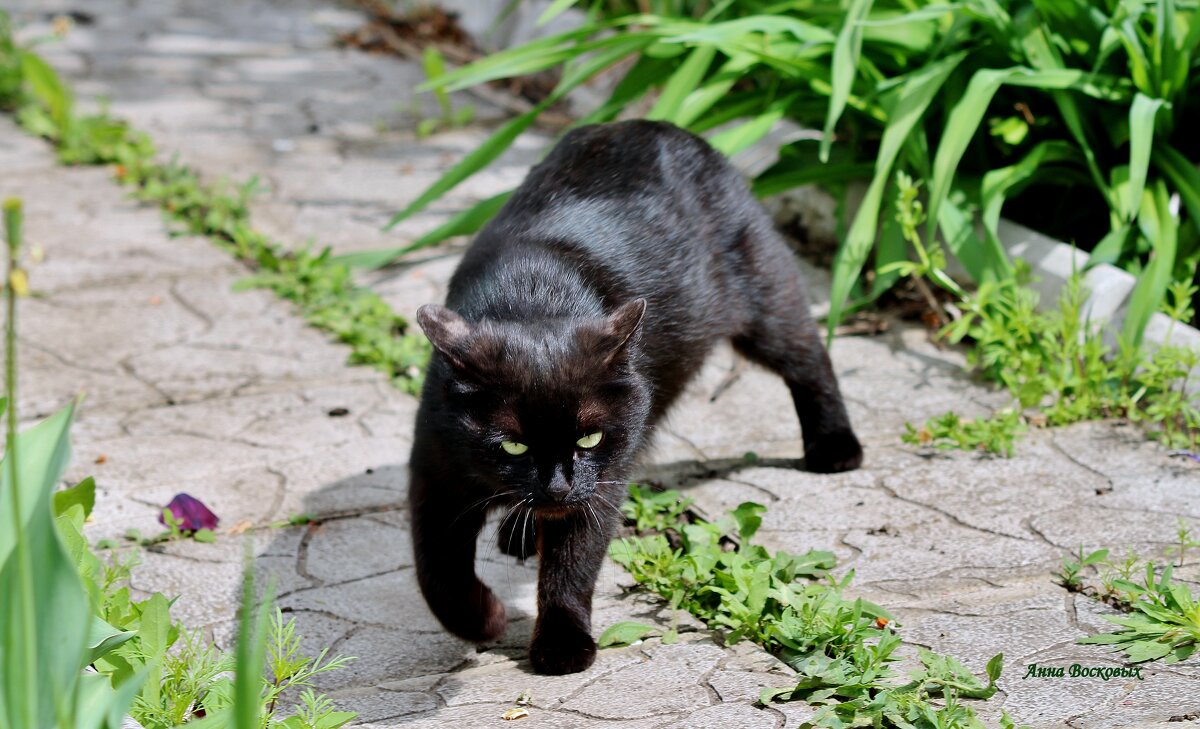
[[833, 453], [557, 652]]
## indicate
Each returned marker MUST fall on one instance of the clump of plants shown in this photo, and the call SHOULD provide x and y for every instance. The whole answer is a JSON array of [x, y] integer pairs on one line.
[[994, 102], [322, 289], [842, 648], [79, 650], [1162, 614], [1057, 365]]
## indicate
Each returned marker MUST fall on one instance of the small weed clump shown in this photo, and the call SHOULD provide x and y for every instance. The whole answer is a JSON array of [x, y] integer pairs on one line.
[[791, 606], [322, 289], [64, 610], [1163, 614], [1057, 364]]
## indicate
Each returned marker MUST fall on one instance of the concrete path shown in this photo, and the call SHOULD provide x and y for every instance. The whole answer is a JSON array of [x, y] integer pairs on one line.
[[231, 398]]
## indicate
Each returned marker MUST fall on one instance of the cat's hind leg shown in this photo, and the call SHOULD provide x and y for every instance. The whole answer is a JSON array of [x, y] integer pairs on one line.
[[781, 335], [444, 535]]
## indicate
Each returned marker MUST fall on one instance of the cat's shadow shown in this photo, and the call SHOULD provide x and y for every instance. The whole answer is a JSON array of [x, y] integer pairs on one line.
[[347, 579]]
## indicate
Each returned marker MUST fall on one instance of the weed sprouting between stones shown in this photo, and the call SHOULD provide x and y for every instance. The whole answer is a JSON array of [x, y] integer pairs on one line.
[[1058, 368], [1162, 619], [843, 649]]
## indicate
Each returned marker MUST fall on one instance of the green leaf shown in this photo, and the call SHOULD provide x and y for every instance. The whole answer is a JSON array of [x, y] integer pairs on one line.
[[44, 451], [624, 633], [612, 51], [1147, 650], [1141, 136], [725, 33], [1181, 172], [44, 610], [47, 88], [103, 637], [846, 53], [683, 82], [767, 696], [1161, 227], [82, 494], [465, 223], [913, 98], [556, 8], [748, 516], [480, 157], [732, 141]]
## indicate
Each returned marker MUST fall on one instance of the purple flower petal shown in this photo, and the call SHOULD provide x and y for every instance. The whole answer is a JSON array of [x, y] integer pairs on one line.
[[1187, 454], [191, 513]]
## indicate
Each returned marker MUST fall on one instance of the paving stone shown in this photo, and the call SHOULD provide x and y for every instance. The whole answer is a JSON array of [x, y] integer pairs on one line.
[[727, 715], [350, 549], [192, 387], [670, 682], [373, 705], [505, 682]]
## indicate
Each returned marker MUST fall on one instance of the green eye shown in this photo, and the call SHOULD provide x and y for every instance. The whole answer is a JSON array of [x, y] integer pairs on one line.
[[513, 449], [590, 441]]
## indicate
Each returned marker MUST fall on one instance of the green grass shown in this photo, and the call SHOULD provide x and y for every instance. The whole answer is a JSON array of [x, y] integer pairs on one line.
[[1162, 615], [1059, 370], [842, 648]]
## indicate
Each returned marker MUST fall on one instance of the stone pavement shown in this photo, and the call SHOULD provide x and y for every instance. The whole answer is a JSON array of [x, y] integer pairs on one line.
[[231, 398]]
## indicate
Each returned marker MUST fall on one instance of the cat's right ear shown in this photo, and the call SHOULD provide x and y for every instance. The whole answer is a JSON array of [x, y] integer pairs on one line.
[[447, 331]]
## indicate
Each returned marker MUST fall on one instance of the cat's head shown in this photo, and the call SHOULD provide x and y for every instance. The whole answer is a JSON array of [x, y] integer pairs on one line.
[[549, 409]]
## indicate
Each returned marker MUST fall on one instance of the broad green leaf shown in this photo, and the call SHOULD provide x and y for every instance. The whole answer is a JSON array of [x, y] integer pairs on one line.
[[716, 87], [103, 637], [913, 99], [1146, 650], [1111, 246], [47, 88], [624, 633], [43, 453], [1141, 137], [846, 53], [44, 609], [683, 82], [1162, 230], [748, 516], [82, 494]]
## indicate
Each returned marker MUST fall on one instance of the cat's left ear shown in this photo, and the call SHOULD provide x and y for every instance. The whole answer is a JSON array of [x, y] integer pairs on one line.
[[620, 327], [447, 331]]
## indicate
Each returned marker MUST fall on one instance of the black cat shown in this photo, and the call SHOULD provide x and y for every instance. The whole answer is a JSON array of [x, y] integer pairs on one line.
[[572, 323]]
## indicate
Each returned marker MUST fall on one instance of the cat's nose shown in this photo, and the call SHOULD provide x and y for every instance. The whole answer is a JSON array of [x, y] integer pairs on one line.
[[558, 485]]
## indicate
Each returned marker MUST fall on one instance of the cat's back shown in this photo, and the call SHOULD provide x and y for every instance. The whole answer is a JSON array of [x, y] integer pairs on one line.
[[638, 206]]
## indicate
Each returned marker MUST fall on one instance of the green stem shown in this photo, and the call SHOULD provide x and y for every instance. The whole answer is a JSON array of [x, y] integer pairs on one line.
[[12, 231]]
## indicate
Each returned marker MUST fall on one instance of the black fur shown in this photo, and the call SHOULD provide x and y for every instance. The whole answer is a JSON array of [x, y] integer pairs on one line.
[[587, 304]]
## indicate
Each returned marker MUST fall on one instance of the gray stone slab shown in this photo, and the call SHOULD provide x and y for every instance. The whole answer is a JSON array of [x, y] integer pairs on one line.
[[192, 387]]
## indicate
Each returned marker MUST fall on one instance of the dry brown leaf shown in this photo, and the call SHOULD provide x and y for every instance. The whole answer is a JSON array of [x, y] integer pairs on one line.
[[241, 527]]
